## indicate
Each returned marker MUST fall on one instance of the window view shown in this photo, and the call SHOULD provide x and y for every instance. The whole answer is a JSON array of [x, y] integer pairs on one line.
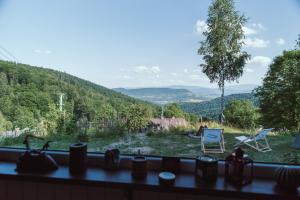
[[165, 78]]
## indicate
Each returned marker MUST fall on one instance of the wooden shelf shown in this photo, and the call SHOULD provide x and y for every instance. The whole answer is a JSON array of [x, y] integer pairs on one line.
[[185, 183]]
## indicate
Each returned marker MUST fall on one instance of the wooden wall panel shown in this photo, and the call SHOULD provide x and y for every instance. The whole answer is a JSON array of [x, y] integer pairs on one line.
[[29, 191], [63, 192], [14, 190], [45, 191], [145, 195], [18, 190], [95, 193], [2, 189], [167, 196], [78, 192], [115, 194]]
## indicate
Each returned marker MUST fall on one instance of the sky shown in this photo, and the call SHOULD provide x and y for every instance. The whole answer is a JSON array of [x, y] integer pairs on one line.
[[138, 43]]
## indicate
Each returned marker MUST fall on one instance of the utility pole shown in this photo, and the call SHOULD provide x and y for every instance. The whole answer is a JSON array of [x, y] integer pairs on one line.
[[162, 112], [61, 104]]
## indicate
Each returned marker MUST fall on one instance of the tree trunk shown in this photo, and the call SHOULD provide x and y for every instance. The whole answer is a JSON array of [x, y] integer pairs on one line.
[[222, 106], [221, 117]]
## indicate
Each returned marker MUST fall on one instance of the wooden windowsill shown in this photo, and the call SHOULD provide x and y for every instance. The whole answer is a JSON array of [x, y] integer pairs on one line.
[[185, 182]]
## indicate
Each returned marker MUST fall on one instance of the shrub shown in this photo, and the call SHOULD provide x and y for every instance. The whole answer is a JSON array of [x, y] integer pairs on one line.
[[241, 114]]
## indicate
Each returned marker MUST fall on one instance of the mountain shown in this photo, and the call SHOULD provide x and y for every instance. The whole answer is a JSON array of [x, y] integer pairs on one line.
[[161, 95], [211, 93], [182, 94], [211, 109], [29, 97]]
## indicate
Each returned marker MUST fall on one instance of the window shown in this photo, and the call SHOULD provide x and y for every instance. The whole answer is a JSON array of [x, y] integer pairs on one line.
[[126, 75]]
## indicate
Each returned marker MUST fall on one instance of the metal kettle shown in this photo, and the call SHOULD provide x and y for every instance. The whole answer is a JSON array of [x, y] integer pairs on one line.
[[35, 160]]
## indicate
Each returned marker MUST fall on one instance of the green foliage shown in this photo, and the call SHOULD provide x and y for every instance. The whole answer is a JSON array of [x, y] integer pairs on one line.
[[29, 97], [192, 118], [280, 93], [222, 47], [4, 124], [241, 114], [210, 109], [138, 117], [173, 110]]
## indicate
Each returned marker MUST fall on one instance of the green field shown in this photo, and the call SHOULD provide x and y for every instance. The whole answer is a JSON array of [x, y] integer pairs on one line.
[[172, 144]]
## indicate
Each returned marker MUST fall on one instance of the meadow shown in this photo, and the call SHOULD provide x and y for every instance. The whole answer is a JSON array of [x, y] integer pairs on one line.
[[172, 143]]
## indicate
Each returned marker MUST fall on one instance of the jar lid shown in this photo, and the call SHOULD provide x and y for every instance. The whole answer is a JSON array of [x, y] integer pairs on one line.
[[168, 176], [207, 159]]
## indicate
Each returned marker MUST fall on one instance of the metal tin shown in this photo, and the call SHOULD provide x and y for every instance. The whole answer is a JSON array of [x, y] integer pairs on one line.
[[206, 168], [139, 167]]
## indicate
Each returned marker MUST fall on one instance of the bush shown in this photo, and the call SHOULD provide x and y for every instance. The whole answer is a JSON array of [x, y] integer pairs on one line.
[[173, 110], [241, 114]]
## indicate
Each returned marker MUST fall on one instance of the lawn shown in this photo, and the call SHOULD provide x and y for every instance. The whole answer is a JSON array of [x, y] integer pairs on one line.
[[173, 144]]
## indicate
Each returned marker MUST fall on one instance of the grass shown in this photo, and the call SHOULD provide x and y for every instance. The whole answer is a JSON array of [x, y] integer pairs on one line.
[[172, 144]]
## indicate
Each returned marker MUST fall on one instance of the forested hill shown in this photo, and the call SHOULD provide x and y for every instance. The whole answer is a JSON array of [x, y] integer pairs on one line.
[[211, 109], [29, 97]]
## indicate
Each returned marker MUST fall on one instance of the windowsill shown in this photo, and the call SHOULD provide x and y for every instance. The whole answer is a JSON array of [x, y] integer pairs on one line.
[[261, 170], [185, 182]]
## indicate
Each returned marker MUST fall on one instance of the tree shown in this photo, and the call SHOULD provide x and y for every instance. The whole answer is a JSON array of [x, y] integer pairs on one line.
[[173, 110], [241, 114], [24, 118], [4, 124], [222, 46], [138, 117], [279, 95]]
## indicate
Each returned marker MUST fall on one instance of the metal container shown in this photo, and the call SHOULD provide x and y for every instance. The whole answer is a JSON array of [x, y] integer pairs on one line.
[[206, 168], [78, 158], [112, 159], [139, 167]]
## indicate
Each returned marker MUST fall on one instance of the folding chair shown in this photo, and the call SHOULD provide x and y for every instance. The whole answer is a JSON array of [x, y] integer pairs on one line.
[[258, 142], [212, 141]]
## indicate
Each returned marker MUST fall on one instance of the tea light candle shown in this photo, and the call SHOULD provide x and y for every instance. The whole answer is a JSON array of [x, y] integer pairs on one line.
[[167, 178]]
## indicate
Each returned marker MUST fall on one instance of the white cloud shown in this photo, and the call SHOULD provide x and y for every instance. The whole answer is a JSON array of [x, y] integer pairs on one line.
[[253, 29], [146, 69], [249, 31], [201, 26], [256, 42], [185, 70], [258, 26], [260, 61], [195, 76], [280, 41], [174, 74], [126, 77], [197, 70], [247, 69], [39, 51]]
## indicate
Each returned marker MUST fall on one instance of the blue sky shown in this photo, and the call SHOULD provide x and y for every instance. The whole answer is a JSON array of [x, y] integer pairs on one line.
[[138, 43]]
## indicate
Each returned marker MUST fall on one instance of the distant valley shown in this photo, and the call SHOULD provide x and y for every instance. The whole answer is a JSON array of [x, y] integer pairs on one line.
[[201, 101], [182, 94]]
